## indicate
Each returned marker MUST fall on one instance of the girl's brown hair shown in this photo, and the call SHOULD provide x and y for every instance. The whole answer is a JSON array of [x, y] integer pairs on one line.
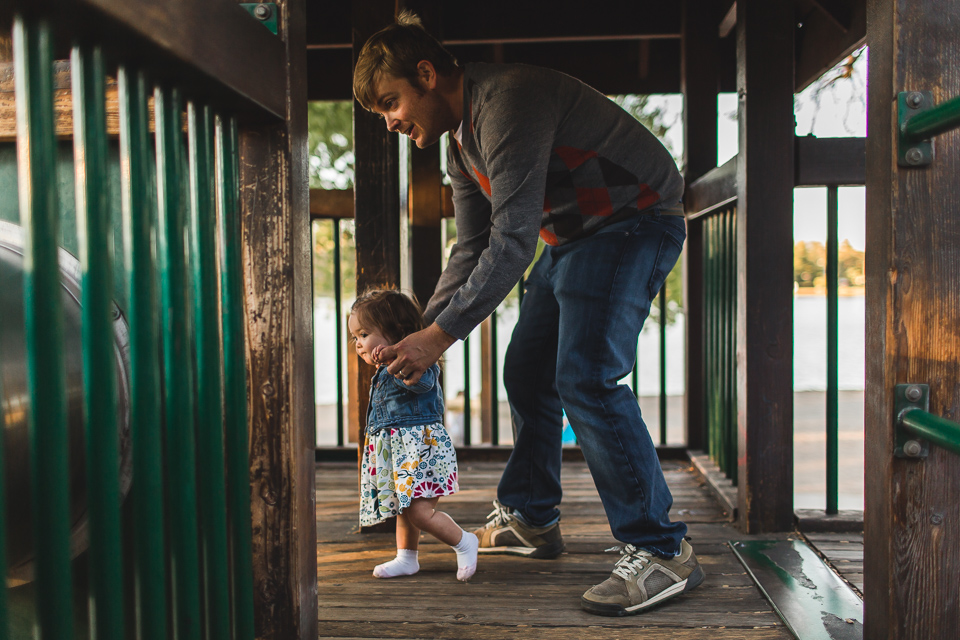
[[392, 314]]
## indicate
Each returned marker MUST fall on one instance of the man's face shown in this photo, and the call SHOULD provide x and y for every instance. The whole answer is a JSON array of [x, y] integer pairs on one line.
[[416, 112]]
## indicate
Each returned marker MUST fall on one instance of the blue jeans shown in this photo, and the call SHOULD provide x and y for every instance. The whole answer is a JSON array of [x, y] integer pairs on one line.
[[584, 307]]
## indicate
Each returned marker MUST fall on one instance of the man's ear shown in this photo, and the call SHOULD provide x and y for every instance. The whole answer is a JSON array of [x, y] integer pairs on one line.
[[427, 74]]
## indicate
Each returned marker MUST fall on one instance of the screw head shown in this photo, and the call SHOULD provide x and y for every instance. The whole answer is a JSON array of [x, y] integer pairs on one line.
[[913, 393], [262, 11], [914, 156], [914, 99], [936, 518], [912, 448]]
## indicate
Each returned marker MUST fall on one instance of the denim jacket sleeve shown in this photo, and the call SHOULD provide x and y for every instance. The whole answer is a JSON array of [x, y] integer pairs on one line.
[[424, 384]]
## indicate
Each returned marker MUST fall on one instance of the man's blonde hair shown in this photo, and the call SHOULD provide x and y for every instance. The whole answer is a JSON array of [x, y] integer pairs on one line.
[[396, 51]]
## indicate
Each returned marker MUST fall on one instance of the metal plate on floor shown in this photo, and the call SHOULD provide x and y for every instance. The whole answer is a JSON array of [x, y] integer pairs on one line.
[[812, 600]]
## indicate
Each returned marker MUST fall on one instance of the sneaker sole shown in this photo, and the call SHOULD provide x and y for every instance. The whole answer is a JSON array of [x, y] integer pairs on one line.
[[616, 610], [543, 552]]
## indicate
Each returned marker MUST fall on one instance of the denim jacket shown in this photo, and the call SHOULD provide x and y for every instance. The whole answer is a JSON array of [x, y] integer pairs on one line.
[[395, 404]]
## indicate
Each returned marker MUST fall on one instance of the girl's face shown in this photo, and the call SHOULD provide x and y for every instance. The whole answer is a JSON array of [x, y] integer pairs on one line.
[[366, 341]]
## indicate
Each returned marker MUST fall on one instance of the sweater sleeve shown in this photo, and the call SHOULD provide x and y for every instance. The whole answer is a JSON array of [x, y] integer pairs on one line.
[[515, 130]]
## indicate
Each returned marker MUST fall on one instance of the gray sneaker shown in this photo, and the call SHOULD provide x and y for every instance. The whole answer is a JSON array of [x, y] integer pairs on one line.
[[641, 580], [505, 533]]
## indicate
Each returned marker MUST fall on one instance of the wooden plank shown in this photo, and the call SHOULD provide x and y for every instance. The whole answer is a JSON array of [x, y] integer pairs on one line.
[[700, 83], [376, 198], [765, 265], [276, 262], [425, 218], [331, 203], [822, 42], [911, 527], [822, 161], [716, 186], [214, 50]]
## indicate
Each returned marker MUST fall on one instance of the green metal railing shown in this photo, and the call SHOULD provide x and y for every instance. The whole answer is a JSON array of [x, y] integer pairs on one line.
[[939, 119], [933, 428], [190, 502], [719, 337]]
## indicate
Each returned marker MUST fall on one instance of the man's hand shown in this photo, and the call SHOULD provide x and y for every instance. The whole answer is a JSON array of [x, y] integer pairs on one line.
[[416, 353]]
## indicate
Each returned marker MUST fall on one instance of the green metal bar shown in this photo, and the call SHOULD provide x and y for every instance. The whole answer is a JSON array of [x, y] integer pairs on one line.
[[210, 453], [723, 330], [144, 318], [95, 234], [4, 606], [235, 371], [833, 382], [467, 417], [732, 431], [494, 384], [49, 459], [663, 363], [938, 430], [338, 307], [177, 322], [708, 316], [939, 119]]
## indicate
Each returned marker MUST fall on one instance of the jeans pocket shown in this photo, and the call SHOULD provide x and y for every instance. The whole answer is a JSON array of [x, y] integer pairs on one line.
[[667, 255]]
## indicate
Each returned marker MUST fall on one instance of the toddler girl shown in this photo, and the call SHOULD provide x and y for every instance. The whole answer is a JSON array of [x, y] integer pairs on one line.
[[408, 457]]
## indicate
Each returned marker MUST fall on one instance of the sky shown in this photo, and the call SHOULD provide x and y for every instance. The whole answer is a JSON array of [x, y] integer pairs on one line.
[[827, 110]]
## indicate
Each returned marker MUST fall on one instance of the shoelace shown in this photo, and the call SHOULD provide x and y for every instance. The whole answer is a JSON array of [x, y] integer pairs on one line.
[[631, 561], [499, 515]]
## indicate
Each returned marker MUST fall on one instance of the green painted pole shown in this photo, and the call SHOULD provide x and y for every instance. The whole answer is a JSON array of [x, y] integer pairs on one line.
[[338, 309], [235, 385], [663, 363], [709, 356], [177, 323], [833, 381], [494, 383], [467, 413], [4, 606], [938, 430], [210, 442], [939, 119], [732, 350], [144, 316], [95, 234], [49, 459]]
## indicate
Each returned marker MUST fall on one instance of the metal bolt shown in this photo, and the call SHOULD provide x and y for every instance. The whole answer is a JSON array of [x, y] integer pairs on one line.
[[912, 448], [914, 156], [914, 99], [913, 393], [936, 518], [263, 12]]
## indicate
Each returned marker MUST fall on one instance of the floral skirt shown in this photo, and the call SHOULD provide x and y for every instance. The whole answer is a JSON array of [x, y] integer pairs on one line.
[[402, 464]]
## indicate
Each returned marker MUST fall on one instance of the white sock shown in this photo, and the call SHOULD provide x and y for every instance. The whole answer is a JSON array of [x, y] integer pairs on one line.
[[466, 556], [405, 564]]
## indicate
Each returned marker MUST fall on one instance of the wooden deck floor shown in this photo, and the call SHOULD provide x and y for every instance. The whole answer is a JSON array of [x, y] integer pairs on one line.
[[517, 597]]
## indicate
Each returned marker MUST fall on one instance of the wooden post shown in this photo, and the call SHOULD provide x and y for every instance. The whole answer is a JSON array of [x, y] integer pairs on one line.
[[376, 203], [765, 70], [488, 364], [279, 301], [912, 510], [425, 211], [699, 81]]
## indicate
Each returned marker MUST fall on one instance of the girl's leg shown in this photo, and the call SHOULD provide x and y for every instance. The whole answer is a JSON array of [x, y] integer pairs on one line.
[[406, 562], [422, 514]]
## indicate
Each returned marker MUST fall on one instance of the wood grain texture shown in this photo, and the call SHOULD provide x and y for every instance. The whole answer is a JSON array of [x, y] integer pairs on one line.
[[765, 265], [912, 507], [521, 598], [276, 256]]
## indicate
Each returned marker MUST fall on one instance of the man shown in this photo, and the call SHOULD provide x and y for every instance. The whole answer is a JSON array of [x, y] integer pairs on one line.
[[537, 153]]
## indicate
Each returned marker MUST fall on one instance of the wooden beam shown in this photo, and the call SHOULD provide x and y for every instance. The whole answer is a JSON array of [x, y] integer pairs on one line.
[[765, 265], [822, 43], [376, 194], [425, 196], [279, 302], [912, 509], [714, 187], [822, 161], [338, 203], [215, 51], [700, 83]]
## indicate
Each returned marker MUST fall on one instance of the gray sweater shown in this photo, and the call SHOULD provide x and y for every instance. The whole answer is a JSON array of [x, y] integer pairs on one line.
[[541, 154]]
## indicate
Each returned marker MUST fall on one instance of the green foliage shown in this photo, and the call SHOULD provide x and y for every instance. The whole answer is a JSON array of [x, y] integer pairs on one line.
[[330, 144], [323, 253], [810, 262]]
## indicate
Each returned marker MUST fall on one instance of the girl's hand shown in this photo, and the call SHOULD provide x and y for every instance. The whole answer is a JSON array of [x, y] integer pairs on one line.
[[376, 353]]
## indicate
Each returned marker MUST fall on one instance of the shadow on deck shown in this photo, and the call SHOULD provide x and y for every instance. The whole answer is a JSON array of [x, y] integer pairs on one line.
[[522, 598]]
